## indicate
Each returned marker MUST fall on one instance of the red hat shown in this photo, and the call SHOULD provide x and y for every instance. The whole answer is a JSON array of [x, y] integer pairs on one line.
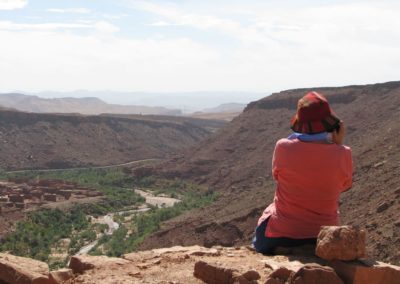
[[314, 115]]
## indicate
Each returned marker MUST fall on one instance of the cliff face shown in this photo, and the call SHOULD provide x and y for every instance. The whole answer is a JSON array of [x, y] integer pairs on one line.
[[29, 140], [236, 161]]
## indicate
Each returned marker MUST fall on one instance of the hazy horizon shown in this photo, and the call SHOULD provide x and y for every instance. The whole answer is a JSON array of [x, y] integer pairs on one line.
[[185, 101], [179, 46]]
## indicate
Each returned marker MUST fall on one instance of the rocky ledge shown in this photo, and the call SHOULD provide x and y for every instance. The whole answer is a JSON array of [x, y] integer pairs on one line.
[[220, 265]]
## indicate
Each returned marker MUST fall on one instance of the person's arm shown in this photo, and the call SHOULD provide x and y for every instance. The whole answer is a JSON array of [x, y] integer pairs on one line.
[[275, 161], [348, 182], [338, 136]]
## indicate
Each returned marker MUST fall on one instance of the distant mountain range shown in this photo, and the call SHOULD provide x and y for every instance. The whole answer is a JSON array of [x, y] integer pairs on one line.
[[225, 112], [88, 105], [188, 102], [226, 108]]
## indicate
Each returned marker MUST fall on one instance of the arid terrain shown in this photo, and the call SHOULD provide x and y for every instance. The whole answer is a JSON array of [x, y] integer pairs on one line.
[[236, 162], [33, 141]]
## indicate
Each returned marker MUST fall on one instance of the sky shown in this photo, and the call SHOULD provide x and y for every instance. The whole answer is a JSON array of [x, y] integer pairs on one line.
[[183, 46]]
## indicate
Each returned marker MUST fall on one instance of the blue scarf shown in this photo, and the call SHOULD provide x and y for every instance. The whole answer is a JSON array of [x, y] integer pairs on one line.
[[323, 136]]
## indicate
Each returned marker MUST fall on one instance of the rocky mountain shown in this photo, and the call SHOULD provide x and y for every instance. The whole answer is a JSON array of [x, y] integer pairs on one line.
[[32, 140], [236, 162], [89, 105]]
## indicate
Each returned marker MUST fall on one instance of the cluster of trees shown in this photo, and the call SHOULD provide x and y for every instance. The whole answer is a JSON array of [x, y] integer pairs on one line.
[[41, 230]]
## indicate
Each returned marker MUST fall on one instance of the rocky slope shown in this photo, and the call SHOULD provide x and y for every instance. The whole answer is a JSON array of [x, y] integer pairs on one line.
[[29, 140], [89, 105], [236, 162], [216, 265]]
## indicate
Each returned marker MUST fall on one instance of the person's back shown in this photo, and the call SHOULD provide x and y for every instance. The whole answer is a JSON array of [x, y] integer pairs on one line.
[[310, 173], [310, 177]]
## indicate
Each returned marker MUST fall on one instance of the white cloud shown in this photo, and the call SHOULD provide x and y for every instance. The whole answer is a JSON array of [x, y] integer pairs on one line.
[[161, 24], [288, 47], [106, 27], [12, 4], [100, 26], [179, 17], [69, 10], [37, 60], [274, 48], [11, 26]]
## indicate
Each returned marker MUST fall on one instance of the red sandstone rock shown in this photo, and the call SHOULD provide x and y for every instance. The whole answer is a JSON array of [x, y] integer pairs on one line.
[[212, 274], [279, 275], [21, 270], [360, 272], [251, 275], [315, 274], [79, 264], [60, 276], [340, 243]]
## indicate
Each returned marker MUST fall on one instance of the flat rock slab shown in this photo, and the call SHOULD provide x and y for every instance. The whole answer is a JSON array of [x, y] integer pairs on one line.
[[79, 264], [367, 271], [22, 270]]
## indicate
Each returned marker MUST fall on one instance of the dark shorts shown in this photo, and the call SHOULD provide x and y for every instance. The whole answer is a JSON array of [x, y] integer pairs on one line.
[[267, 245]]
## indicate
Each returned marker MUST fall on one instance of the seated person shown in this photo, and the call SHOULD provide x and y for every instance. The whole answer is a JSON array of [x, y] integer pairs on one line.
[[311, 168]]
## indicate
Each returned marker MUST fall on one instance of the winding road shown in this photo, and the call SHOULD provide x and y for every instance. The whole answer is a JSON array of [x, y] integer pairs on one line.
[[112, 227], [86, 168]]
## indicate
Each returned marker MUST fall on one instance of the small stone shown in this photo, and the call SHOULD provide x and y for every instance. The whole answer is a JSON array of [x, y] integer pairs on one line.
[[282, 273], [251, 275], [382, 207], [60, 276], [135, 274], [213, 274], [340, 243], [377, 165], [142, 266], [314, 274], [157, 261]]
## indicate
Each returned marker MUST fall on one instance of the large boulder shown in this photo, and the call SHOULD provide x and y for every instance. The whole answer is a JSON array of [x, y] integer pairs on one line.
[[21, 270], [340, 243]]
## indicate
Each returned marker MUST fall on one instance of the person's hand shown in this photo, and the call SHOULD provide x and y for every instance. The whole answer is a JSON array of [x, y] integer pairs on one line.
[[338, 135]]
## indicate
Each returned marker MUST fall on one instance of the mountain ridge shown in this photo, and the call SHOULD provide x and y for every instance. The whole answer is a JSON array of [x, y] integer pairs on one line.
[[42, 141], [86, 105]]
